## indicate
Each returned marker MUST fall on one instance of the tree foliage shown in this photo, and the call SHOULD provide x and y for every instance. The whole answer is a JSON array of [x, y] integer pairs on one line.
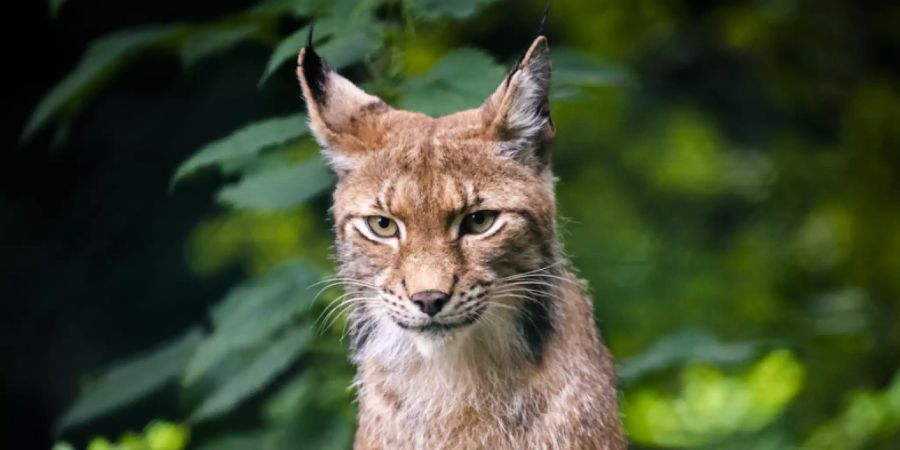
[[732, 194]]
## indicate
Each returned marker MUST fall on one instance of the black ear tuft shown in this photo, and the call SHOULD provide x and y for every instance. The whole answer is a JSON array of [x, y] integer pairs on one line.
[[315, 69], [540, 32], [543, 26]]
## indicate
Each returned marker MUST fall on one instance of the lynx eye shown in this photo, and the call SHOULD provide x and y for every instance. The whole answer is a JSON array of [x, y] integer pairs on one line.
[[382, 226], [478, 222]]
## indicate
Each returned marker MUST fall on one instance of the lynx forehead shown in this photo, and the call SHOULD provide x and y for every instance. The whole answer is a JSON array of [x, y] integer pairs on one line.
[[467, 326]]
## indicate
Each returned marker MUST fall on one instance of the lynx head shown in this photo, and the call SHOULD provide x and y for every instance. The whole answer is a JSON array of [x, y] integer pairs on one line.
[[445, 226]]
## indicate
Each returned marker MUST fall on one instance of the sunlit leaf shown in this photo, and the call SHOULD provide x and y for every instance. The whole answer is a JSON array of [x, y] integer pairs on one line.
[[279, 189], [253, 312], [866, 416], [256, 241], [102, 443], [130, 380], [686, 346], [245, 143], [104, 57], [688, 157], [160, 435], [461, 79], [213, 40], [713, 405], [460, 9], [274, 359]]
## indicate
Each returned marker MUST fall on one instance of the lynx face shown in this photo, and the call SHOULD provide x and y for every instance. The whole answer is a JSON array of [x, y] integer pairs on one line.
[[445, 226]]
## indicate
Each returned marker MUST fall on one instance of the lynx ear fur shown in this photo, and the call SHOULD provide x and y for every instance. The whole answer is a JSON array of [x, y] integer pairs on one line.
[[345, 120], [349, 123], [518, 112]]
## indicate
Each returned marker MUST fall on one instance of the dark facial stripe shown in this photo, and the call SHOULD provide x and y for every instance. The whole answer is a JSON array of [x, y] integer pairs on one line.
[[360, 328], [536, 324]]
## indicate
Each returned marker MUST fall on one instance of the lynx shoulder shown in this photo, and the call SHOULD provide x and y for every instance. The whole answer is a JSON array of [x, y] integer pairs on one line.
[[469, 329]]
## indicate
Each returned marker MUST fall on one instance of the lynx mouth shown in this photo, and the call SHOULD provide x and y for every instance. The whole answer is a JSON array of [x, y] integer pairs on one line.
[[439, 327]]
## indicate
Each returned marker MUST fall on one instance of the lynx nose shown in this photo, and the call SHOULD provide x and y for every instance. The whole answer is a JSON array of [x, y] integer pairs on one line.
[[430, 302]]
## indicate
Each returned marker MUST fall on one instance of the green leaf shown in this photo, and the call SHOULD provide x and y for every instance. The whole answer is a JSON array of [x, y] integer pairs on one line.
[[255, 440], [296, 8], [573, 70], [160, 435], [436, 9], [349, 47], [213, 40], [356, 40], [324, 431], [288, 48], [461, 79], [250, 314], [272, 361], [104, 57], [279, 189], [689, 345], [283, 405], [245, 143], [130, 380], [321, 9]]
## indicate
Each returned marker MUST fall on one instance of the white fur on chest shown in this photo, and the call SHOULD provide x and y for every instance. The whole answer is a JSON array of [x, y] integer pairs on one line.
[[441, 383]]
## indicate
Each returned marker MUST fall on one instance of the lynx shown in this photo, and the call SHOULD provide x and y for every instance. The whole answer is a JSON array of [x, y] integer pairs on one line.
[[468, 328]]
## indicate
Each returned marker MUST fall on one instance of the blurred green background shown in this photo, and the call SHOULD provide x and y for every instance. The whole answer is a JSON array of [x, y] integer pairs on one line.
[[729, 184]]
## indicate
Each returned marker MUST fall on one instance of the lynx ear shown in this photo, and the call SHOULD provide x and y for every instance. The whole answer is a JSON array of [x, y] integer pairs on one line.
[[517, 114], [344, 119]]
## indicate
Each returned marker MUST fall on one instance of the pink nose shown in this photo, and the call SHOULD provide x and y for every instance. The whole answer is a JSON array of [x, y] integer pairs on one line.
[[430, 302]]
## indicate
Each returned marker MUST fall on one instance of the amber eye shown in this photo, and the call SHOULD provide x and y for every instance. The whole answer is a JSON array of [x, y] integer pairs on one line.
[[478, 222], [382, 226]]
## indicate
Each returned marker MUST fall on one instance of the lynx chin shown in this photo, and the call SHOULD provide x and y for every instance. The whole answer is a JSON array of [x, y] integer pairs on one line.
[[469, 329]]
